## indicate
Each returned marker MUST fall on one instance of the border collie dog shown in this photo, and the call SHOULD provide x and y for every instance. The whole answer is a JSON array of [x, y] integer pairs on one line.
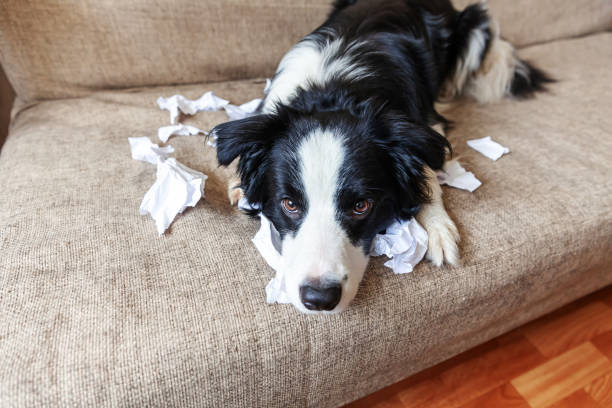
[[347, 139]]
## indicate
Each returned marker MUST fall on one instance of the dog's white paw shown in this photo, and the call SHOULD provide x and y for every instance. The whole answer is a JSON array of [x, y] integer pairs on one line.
[[442, 241]]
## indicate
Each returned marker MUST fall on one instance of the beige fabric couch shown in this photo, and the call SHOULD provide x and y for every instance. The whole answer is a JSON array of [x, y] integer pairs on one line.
[[97, 310]]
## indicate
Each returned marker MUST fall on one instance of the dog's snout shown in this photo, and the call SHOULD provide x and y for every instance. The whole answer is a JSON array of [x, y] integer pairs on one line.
[[320, 297]]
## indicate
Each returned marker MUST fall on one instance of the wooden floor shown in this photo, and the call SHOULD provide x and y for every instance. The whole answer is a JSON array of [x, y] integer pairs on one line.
[[561, 360]]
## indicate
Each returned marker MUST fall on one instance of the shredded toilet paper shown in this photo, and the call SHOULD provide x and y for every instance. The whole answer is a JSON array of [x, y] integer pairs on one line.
[[144, 150], [405, 243], [164, 132], [176, 187], [207, 102], [243, 111], [456, 176], [488, 147]]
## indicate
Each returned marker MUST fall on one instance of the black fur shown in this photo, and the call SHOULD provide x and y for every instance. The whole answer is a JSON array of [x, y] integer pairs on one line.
[[471, 18], [532, 79]]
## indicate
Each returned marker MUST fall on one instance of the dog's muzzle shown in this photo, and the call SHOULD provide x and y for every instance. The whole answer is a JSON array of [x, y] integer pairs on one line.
[[317, 296]]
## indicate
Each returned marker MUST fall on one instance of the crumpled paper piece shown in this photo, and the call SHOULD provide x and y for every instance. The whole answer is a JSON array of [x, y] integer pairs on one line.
[[404, 242], [488, 147], [176, 187], [144, 150], [456, 176], [207, 102], [243, 111], [164, 132]]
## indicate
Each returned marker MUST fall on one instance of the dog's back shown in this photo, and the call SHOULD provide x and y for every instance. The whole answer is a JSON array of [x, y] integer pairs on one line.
[[408, 53]]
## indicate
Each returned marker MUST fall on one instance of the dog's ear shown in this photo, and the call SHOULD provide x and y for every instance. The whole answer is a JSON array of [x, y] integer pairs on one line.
[[409, 147], [250, 139]]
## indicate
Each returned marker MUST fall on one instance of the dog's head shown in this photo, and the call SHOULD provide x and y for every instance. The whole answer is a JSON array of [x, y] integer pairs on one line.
[[329, 182]]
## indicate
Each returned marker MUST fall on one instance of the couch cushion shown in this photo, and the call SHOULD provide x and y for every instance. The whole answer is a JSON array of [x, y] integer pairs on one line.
[[97, 310], [528, 22], [58, 49]]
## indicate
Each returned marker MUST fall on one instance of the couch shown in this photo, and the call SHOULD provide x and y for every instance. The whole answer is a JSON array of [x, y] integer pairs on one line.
[[97, 310]]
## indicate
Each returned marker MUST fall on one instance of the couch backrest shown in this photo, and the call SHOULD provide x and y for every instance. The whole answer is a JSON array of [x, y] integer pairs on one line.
[[66, 48]]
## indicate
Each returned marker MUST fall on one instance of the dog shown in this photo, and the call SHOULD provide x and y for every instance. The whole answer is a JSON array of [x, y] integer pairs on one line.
[[348, 140]]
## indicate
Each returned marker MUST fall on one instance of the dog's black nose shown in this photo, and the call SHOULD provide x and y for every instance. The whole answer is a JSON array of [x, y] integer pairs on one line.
[[319, 297]]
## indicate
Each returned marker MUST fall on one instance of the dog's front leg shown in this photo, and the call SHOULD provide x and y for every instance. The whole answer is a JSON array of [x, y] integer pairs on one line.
[[441, 230]]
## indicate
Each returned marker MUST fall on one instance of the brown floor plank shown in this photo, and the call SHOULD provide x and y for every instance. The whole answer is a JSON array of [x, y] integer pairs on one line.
[[504, 396], [604, 343], [473, 377], [579, 399], [555, 334], [562, 375], [426, 393], [601, 390]]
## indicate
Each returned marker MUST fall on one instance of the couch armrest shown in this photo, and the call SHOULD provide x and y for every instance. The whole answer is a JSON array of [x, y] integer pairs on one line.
[[7, 96]]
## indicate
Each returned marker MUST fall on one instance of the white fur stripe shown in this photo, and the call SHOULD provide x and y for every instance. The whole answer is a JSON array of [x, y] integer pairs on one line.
[[308, 63], [321, 250]]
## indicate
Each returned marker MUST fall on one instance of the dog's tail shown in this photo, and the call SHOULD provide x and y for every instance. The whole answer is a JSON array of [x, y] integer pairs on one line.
[[486, 66]]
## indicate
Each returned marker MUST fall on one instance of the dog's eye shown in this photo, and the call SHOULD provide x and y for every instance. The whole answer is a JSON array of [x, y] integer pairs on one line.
[[362, 208], [290, 208]]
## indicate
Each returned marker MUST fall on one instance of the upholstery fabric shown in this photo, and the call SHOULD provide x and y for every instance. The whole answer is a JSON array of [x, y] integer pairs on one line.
[[66, 48], [97, 310]]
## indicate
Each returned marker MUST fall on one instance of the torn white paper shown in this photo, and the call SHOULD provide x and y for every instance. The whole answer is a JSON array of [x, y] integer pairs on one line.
[[164, 132], [488, 147], [456, 176], [144, 150], [176, 187], [207, 102], [243, 111], [405, 243]]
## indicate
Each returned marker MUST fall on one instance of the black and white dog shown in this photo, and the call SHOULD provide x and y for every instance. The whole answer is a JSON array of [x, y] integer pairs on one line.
[[347, 139]]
